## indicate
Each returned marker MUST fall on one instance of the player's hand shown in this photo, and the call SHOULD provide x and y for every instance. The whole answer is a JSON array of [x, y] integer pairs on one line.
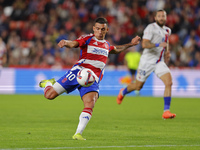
[[62, 43], [163, 44], [136, 40], [167, 56]]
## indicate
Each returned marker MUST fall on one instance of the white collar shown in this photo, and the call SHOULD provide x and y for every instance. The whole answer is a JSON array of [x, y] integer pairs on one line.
[[99, 40], [159, 26]]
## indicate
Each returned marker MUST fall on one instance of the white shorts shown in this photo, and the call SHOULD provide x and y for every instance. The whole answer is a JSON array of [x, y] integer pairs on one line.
[[145, 69]]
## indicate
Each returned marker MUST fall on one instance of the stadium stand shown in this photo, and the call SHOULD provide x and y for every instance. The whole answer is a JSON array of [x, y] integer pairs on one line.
[[31, 29]]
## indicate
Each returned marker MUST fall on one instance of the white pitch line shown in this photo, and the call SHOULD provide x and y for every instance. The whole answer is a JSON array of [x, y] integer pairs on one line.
[[90, 147]]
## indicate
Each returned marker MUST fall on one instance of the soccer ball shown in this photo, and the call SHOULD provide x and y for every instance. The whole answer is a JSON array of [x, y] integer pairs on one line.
[[85, 77]]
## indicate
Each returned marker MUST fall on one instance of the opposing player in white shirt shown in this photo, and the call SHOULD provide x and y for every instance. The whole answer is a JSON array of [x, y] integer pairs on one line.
[[155, 44], [94, 53]]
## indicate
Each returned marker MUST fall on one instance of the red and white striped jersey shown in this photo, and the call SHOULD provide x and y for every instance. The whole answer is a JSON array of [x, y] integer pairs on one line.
[[93, 54]]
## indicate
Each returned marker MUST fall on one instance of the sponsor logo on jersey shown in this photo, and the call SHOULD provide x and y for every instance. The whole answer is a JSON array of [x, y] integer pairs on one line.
[[97, 50], [100, 51]]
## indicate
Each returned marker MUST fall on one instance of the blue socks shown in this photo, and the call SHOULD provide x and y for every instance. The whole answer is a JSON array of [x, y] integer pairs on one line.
[[125, 91], [167, 101]]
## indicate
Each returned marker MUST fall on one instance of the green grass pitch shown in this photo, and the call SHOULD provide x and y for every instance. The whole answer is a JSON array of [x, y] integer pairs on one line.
[[31, 122]]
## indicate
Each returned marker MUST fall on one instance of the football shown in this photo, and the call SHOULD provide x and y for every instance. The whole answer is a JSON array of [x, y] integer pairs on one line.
[[85, 77]]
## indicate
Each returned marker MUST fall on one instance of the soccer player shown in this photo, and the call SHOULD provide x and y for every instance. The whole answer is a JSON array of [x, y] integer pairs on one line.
[[154, 42], [94, 53]]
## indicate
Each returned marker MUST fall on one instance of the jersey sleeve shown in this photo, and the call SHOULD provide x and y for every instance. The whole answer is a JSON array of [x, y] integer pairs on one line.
[[111, 48], [148, 34], [82, 39]]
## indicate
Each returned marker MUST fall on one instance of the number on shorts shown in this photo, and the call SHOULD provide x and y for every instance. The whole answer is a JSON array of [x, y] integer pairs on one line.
[[70, 76], [142, 72]]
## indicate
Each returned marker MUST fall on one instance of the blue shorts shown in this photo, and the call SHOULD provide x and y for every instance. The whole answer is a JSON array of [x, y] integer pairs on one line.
[[69, 83]]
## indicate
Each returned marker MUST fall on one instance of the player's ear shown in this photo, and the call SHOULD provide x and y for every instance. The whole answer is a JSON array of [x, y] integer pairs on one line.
[[93, 28]]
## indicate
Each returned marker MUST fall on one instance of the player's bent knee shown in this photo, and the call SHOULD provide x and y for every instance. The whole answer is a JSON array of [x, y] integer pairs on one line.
[[49, 97], [169, 83], [51, 94]]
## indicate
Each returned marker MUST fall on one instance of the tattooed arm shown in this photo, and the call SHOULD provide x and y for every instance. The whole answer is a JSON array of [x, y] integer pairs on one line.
[[120, 48]]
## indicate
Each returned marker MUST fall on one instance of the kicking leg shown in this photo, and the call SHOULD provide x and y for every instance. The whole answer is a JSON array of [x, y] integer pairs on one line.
[[49, 91]]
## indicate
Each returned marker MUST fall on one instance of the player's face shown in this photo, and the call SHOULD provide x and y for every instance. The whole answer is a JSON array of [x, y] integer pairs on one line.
[[100, 30], [161, 18]]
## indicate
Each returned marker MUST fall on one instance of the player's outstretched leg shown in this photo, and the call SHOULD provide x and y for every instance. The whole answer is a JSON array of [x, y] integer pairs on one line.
[[49, 92]]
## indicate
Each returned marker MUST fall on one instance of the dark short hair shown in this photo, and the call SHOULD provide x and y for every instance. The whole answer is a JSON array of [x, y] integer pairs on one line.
[[101, 20]]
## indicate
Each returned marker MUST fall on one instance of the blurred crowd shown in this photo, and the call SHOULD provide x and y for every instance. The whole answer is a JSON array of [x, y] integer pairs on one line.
[[31, 29]]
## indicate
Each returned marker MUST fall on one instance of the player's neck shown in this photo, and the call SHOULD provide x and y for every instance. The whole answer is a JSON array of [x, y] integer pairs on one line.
[[160, 25], [98, 39]]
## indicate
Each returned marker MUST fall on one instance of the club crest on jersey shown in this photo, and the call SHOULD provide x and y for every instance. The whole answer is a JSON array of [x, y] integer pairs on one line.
[[64, 80], [100, 51]]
